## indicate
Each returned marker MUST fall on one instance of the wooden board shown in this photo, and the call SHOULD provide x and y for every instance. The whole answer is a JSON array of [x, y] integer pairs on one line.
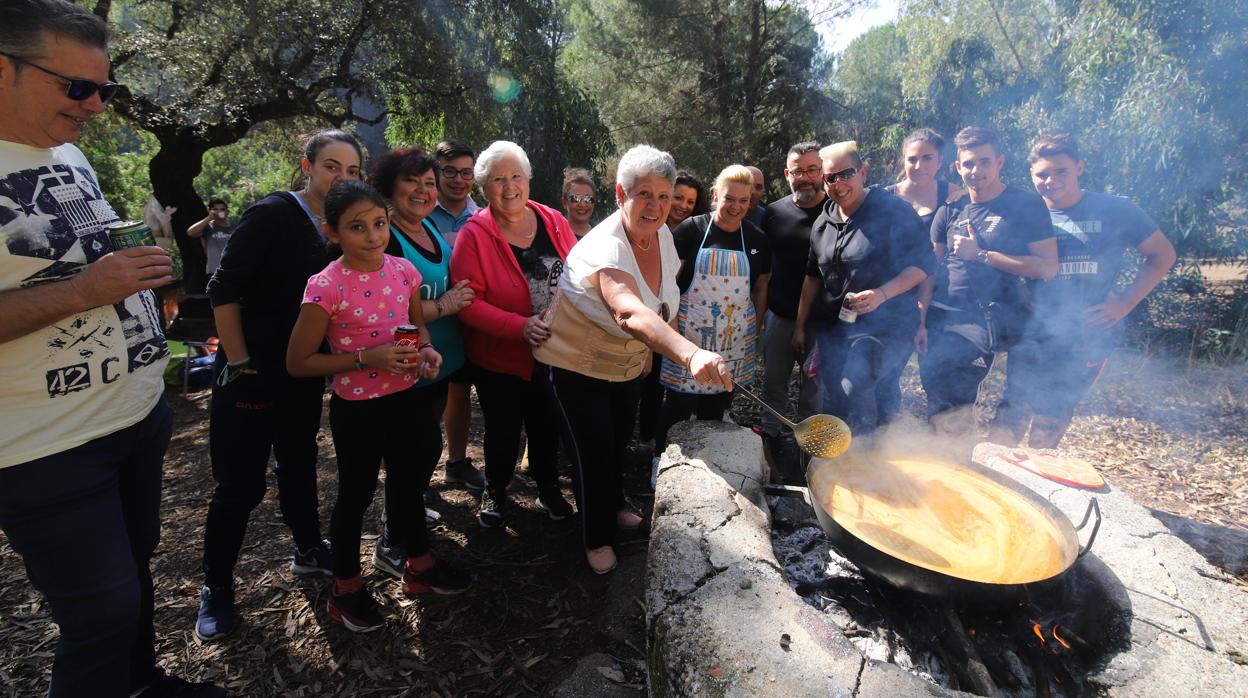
[[1068, 470]]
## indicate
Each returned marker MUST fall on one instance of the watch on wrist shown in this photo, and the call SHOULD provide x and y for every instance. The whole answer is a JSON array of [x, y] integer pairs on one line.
[[982, 256], [359, 360]]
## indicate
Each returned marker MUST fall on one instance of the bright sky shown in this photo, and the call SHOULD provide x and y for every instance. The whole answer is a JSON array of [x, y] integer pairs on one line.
[[873, 14]]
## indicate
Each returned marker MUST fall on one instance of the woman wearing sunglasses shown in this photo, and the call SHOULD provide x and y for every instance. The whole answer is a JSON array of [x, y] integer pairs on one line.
[[616, 297], [578, 199], [868, 252]]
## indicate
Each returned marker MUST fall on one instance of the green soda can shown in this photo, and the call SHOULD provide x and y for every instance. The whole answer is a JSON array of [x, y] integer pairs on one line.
[[130, 234]]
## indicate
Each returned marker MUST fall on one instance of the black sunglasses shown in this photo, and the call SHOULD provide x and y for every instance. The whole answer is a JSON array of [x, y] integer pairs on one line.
[[835, 177], [79, 89]]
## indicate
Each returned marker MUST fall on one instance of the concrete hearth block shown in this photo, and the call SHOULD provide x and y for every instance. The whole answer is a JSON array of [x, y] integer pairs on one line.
[[1188, 623], [720, 619]]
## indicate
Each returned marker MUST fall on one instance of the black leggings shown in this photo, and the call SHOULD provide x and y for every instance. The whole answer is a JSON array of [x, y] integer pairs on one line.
[[402, 430], [677, 407], [650, 402], [596, 421], [508, 403]]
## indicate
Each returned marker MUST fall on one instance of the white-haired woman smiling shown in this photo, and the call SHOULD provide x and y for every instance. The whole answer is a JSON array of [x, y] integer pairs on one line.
[[509, 252], [617, 296]]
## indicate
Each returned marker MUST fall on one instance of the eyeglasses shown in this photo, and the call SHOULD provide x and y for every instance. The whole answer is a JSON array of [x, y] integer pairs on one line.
[[579, 198], [79, 89], [449, 172], [845, 174], [811, 171]]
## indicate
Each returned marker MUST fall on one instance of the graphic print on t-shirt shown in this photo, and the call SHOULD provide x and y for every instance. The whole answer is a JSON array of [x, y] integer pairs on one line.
[[52, 222]]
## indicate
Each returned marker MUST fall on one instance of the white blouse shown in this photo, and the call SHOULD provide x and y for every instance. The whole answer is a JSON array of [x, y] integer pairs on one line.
[[607, 247]]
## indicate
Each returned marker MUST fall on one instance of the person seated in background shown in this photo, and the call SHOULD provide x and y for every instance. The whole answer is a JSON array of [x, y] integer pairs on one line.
[[868, 252], [214, 230], [1078, 313], [578, 199]]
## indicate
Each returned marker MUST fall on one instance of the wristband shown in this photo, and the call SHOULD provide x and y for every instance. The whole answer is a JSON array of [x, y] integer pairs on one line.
[[426, 345], [982, 256], [240, 363], [437, 303], [359, 360], [883, 293], [689, 361]]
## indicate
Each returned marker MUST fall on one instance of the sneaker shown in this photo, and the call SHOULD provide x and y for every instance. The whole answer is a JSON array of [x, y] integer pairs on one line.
[[556, 507], [163, 685], [216, 613], [465, 473], [389, 558], [431, 516], [490, 515], [442, 578], [319, 559], [356, 610]]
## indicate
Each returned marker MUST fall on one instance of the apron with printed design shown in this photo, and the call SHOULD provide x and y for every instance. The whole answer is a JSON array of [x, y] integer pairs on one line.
[[717, 314]]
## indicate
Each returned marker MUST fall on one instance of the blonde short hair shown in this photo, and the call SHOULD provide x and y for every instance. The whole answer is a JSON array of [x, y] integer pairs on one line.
[[732, 174], [840, 150]]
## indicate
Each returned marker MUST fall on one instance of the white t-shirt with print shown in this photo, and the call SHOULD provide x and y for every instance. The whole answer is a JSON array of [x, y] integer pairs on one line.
[[87, 375]]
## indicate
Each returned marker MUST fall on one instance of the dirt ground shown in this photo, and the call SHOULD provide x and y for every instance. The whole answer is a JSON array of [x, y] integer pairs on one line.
[[1170, 433]]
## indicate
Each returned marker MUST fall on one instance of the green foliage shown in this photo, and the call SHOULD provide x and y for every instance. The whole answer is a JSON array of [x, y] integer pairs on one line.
[[244, 172], [119, 154]]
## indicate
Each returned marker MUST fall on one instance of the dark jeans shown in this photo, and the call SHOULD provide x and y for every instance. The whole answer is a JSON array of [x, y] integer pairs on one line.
[[507, 404], [402, 430], [396, 498], [850, 366], [596, 421], [1045, 379], [251, 418], [957, 361], [86, 522], [677, 407], [888, 392], [650, 402]]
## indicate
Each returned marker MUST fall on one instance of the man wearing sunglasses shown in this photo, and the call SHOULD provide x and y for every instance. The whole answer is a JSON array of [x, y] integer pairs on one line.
[[84, 424], [987, 243], [868, 252]]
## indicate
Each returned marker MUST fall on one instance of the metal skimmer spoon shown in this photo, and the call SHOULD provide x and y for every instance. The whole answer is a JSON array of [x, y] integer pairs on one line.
[[820, 435]]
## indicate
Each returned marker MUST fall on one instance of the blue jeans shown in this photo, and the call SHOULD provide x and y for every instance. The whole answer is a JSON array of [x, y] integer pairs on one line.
[[86, 522], [849, 366]]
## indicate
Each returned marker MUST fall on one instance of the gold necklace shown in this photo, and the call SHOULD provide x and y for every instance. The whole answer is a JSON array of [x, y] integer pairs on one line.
[[639, 246]]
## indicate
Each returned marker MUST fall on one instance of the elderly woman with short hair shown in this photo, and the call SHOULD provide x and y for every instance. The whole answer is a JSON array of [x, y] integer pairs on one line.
[[509, 252], [617, 295]]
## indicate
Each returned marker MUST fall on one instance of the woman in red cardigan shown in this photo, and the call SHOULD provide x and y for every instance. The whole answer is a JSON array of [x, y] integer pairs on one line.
[[509, 252]]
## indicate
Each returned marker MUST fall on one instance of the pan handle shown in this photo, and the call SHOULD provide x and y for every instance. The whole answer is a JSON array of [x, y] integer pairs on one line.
[[1093, 507]]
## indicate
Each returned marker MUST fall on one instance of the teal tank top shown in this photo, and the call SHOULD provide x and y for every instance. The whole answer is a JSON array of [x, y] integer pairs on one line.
[[435, 279]]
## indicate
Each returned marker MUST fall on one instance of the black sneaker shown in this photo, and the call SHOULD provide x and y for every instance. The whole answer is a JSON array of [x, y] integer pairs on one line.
[[389, 558], [465, 473], [442, 578], [319, 559], [216, 613], [356, 610], [163, 685], [490, 515], [552, 502]]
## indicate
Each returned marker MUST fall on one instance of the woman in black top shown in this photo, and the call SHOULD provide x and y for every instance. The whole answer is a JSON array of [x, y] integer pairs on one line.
[[258, 409]]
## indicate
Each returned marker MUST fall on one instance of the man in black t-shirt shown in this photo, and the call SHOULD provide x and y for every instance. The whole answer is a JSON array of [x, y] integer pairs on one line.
[[985, 244], [787, 224], [868, 251], [1072, 332]]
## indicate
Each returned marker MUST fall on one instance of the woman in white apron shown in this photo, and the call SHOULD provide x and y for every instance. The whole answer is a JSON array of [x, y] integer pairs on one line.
[[723, 280]]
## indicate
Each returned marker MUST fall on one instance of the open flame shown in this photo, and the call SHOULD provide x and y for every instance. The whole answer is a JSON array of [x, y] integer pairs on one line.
[[1038, 630]]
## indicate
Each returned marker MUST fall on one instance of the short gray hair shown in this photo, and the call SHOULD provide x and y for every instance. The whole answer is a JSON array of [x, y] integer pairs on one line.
[[642, 160], [497, 151], [25, 26]]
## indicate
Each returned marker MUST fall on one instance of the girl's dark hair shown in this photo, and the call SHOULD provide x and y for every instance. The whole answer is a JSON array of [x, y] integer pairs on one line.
[[315, 143], [400, 162], [346, 193], [923, 135], [703, 203]]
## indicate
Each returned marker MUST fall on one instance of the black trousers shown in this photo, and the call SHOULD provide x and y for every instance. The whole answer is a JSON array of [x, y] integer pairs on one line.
[[957, 361], [251, 418], [849, 366], [677, 407], [596, 420], [86, 522], [508, 404], [400, 429], [650, 402]]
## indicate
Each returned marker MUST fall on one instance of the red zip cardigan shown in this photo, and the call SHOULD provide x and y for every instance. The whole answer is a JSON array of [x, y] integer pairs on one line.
[[494, 323]]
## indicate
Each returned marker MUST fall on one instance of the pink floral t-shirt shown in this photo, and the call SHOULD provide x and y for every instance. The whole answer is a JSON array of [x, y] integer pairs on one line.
[[364, 308]]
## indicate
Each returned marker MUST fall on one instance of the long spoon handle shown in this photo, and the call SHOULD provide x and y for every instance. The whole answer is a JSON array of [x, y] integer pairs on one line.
[[769, 408]]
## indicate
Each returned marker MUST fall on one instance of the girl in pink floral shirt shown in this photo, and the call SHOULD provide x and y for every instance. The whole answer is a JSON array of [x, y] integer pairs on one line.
[[376, 415]]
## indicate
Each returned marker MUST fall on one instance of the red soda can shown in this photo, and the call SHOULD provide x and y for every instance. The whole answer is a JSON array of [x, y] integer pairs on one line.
[[407, 336]]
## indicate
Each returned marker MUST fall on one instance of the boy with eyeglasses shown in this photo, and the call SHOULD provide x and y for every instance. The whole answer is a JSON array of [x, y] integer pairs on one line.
[[986, 244], [85, 423], [455, 180], [1078, 313]]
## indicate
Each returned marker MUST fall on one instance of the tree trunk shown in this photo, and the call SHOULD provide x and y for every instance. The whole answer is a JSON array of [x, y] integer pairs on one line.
[[173, 171]]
